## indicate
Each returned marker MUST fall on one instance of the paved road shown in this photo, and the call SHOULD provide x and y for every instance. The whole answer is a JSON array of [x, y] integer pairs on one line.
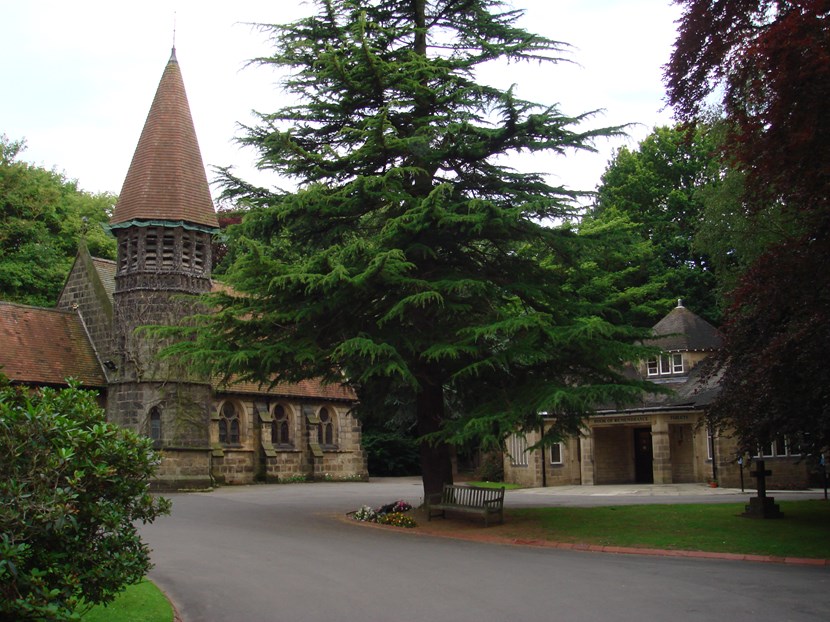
[[279, 554]]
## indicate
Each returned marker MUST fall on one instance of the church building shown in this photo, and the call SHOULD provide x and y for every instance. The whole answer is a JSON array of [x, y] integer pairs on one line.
[[206, 432]]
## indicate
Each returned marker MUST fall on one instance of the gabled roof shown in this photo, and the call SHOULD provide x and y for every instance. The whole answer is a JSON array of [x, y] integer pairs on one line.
[[166, 180], [683, 330], [46, 346], [106, 272], [307, 388]]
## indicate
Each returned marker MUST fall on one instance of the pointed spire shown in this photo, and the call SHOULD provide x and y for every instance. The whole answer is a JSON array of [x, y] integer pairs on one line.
[[166, 179]]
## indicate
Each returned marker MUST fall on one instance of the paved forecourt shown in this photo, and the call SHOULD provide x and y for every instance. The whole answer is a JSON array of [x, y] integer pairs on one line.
[[280, 553]]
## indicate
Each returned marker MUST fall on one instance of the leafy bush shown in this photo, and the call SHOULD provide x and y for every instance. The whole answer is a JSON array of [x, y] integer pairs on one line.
[[491, 468], [74, 488], [391, 454]]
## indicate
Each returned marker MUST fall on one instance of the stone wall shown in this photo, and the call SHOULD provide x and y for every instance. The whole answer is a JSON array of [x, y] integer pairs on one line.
[[259, 456]]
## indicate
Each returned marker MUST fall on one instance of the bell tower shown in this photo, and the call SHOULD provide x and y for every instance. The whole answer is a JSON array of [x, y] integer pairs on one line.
[[163, 222]]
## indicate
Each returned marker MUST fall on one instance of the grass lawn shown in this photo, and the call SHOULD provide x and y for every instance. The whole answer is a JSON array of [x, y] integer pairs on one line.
[[495, 485], [142, 602], [803, 532]]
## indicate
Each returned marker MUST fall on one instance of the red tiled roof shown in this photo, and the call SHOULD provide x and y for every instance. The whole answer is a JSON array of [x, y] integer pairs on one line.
[[46, 346], [306, 388], [166, 179]]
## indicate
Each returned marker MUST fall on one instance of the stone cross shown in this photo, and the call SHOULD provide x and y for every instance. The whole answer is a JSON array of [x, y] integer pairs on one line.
[[761, 474], [762, 506]]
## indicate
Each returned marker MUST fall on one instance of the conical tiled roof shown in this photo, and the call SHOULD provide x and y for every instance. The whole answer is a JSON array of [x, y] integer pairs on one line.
[[683, 330], [167, 180]]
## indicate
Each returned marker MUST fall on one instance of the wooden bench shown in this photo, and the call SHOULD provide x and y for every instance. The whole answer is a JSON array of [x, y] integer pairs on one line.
[[469, 499]]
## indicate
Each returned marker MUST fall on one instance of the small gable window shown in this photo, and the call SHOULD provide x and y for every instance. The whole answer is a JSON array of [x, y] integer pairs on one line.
[[665, 365]]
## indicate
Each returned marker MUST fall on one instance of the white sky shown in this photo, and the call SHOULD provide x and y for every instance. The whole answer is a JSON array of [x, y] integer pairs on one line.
[[78, 78]]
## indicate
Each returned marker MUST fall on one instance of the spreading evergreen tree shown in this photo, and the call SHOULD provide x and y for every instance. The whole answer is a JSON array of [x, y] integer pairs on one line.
[[412, 262]]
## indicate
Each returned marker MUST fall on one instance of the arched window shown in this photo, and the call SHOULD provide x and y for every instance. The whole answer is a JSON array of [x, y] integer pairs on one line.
[[155, 425], [325, 433], [280, 427], [229, 424]]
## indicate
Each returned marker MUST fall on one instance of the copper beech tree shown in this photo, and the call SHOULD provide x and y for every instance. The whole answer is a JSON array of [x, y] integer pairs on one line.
[[769, 62]]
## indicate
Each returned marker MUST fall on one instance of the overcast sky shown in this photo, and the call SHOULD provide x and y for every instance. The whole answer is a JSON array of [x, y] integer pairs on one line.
[[78, 77]]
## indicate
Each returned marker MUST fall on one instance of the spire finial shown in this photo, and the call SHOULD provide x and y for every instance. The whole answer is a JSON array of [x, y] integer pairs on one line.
[[173, 52], [679, 302]]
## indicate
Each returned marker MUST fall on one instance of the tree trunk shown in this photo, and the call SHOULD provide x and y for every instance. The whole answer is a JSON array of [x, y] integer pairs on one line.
[[436, 458]]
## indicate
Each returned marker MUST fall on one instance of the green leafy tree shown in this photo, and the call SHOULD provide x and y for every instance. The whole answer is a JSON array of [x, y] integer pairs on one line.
[[43, 218], [660, 187], [412, 262], [74, 488]]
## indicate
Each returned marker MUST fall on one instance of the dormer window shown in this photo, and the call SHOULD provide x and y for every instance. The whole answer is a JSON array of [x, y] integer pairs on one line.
[[665, 365]]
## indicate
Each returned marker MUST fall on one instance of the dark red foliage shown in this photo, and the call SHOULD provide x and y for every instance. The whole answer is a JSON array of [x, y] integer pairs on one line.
[[776, 378], [772, 62], [769, 63]]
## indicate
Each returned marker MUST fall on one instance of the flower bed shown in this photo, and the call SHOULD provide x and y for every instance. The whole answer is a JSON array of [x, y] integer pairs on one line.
[[394, 514]]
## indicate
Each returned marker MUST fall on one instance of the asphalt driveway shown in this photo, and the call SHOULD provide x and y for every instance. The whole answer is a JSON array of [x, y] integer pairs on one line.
[[279, 553]]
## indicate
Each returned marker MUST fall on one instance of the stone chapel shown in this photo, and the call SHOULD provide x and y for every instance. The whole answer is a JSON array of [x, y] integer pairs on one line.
[[206, 432], [661, 439]]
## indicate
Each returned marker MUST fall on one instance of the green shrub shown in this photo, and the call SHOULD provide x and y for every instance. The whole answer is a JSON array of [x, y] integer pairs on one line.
[[74, 488], [391, 454], [491, 468]]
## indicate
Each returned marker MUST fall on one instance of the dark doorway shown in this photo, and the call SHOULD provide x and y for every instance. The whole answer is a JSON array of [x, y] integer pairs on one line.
[[643, 470]]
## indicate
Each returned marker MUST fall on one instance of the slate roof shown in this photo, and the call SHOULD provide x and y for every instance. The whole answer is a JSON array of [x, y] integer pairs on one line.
[[679, 330], [682, 329], [166, 179], [106, 272], [45, 346]]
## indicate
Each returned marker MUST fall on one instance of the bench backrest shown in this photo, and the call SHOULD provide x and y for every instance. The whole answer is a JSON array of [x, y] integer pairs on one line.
[[470, 496]]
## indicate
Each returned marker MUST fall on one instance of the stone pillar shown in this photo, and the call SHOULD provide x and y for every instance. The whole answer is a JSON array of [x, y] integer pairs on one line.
[[586, 464], [661, 451]]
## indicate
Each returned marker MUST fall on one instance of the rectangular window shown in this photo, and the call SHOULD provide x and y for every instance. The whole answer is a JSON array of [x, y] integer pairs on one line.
[[710, 443], [780, 446], [677, 363], [556, 453], [517, 448], [653, 368], [767, 450], [665, 368]]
